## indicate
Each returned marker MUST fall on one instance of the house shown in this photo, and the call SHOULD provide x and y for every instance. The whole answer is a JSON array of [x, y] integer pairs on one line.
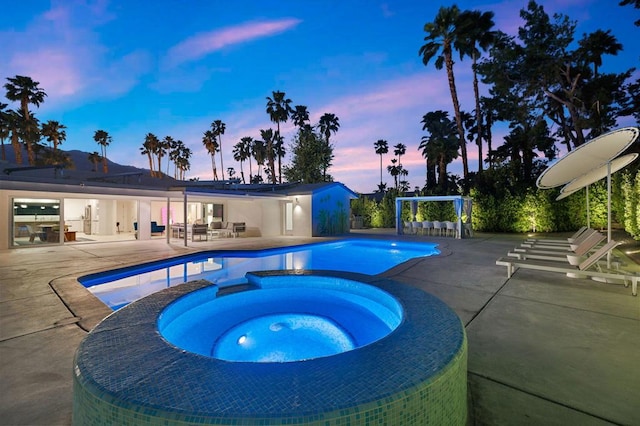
[[91, 206]]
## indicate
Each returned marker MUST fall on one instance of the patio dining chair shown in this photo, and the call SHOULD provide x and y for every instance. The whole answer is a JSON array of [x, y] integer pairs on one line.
[[427, 226]]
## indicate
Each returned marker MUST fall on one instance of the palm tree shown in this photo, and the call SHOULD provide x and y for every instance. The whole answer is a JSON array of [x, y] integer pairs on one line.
[[54, 132], [26, 91], [382, 147], [211, 144], [279, 151], [399, 151], [596, 44], [268, 137], [103, 139], [394, 171], [182, 161], [300, 116], [259, 152], [328, 124], [218, 128], [4, 127], [241, 153], [279, 110], [13, 125], [149, 147], [476, 32], [440, 39], [174, 153], [440, 146], [95, 158]]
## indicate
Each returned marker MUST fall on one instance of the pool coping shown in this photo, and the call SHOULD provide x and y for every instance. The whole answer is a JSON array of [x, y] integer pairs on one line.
[[110, 361]]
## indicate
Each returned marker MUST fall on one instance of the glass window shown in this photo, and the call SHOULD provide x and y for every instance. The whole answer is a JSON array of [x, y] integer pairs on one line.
[[36, 221]]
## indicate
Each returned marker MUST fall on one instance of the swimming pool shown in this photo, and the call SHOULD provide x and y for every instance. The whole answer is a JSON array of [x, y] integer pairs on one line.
[[119, 287]]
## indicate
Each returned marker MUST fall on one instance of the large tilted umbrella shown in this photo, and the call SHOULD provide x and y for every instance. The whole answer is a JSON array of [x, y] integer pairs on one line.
[[589, 163]]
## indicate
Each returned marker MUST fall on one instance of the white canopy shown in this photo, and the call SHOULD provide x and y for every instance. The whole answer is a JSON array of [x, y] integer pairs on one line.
[[593, 154]]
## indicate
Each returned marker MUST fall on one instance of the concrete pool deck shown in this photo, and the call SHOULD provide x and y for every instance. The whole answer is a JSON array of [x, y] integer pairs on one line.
[[543, 348]]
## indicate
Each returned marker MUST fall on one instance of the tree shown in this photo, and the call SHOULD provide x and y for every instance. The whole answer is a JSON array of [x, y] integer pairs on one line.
[[103, 139], [259, 152], [54, 132], [182, 161], [211, 144], [441, 36], [382, 147], [328, 124], [394, 171], [399, 151], [149, 148], [308, 160], [26, 91], [475, 32], [13, 126], [4, 127], [174, 153], [300, 116], [279, 110], [95, 158], [439, 147], [218, 128], [161, 149], [242, 152]]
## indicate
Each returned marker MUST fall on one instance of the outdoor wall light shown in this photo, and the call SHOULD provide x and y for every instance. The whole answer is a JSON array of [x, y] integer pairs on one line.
[[23, 206]]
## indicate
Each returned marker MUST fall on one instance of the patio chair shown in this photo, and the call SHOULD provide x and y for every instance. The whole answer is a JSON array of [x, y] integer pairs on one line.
[[451, 228], [427, 226], [570, 239], [438, 227], [559, 253], [416, 227], [575, 244], [561, 242], [582, 269]]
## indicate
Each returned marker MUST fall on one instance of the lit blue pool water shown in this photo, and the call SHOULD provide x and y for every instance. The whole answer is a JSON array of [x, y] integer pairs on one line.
[[120, 287], [290, 318]]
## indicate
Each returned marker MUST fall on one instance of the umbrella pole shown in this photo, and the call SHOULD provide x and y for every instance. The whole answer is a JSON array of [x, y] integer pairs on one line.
[[588, 209], [609, 212]]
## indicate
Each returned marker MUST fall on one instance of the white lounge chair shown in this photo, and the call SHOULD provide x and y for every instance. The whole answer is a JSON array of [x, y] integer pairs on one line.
[[416, 227], [570, 239], [513, 264], [451, 228], [558, 245], [438, 227], [559, 252]]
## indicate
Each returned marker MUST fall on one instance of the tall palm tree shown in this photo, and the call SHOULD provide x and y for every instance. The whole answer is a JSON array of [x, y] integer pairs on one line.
[[268, 137], [279, 110], [241, 153], [14, 122], [259, 152], [183, 161], [103, 139], [475, 33], [174, 153], [399, 151], [596, 44], [394, 171], [149, 147], [161, 150], [440, 39], [26, 91], [4, 127], [54, 131], [440, 146], [279, 151], [300, 116], [211, 144], [382, 147], [95, 158], [328, 124], [218, 128]]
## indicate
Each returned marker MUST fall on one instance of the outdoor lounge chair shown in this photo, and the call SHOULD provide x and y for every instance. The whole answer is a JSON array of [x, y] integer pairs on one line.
[[559, 252], [560, 240], [575, 244], [513, 264]]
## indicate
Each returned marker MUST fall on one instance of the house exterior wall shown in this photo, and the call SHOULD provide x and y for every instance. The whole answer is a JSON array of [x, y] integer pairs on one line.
[[302, 216], [331, 212]]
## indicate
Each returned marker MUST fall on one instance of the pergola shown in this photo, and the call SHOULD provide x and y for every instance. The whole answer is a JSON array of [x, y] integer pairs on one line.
[[461, 205]]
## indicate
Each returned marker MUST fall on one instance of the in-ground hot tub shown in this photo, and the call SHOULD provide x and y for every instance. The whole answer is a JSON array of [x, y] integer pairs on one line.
[[291, 349]]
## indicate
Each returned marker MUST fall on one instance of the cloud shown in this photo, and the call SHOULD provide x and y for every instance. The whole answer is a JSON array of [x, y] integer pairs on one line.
[[203, 44]]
